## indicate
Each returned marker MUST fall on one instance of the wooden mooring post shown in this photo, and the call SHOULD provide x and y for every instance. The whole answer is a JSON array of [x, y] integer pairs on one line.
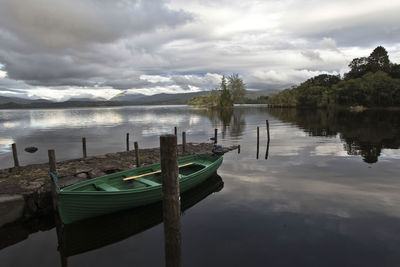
[[127, 141], [267, 150], [258, 141], [215, 135], [238, 149], [267, 123], [84, 147], [183, 142], [57, 220], [171, 204], [137, 156], [53, 168], [15, 155], [268, 140], [176, 130]]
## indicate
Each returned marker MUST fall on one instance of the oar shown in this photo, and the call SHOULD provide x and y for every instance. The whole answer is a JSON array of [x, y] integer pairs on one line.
[[150, 173]]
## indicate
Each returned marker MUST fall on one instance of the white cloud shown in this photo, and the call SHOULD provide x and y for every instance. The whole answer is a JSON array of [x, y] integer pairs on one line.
[[155, 78], [171, 89], [280, 79], [71, 92]]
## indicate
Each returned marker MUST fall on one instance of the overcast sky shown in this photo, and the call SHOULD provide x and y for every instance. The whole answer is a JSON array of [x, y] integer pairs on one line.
[[59, 49]]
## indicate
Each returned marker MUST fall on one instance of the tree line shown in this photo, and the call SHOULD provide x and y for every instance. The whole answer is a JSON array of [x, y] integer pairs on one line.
[[372, 81]]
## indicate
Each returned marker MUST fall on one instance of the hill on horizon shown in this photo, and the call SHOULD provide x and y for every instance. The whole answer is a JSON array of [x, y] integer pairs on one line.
[[118, 100]]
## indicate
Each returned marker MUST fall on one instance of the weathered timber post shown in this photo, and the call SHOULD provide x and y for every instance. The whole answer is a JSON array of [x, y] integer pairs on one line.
[[53, 169], [59, 228], [15, 155], [127, 141], [238, 149], [258, 141], [267, 129], [183, 142], [176, 130], [171, 204], [215, 135], [84, 147], [137, 156], [267, 151]]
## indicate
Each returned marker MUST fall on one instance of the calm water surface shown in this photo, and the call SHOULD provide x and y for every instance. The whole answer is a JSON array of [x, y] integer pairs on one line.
[[326, 194]]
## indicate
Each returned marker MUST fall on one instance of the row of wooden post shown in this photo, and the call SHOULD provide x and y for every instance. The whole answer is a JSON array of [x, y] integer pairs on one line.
[[258, 140], [183, 138], [84, 148], [136, 146]]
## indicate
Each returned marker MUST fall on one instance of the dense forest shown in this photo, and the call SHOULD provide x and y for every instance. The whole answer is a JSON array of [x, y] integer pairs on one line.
[[372, 81]]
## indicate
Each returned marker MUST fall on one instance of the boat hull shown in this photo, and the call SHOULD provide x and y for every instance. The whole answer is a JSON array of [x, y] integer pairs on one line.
[[75, 205], [100, 231]]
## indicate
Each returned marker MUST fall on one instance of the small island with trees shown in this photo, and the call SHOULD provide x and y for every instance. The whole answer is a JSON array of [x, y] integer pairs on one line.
[[372, 81], [232, 90]]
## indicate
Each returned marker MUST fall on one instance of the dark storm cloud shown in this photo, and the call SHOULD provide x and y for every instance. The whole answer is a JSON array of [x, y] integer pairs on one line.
[[57, 42], [61, 24], [128, 83], [12, 85]]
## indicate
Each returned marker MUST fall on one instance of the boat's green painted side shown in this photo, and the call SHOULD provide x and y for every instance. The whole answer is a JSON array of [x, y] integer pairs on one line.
[[93, 233], [109, 193]]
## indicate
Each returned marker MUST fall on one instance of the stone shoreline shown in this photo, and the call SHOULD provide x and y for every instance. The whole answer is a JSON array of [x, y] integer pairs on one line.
[[25, 192]]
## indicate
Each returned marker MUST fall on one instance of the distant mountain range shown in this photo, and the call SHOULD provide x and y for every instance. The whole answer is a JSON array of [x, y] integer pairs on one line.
[[157, 99], [118, 100], [267, 92], [17, 100]]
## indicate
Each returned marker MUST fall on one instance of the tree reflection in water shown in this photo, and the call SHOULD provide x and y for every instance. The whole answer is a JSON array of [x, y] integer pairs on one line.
[[364, 133], [231, 119]]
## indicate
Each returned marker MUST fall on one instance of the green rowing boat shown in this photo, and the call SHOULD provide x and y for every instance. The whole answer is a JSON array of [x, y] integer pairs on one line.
[[93, 233], [129, 189]]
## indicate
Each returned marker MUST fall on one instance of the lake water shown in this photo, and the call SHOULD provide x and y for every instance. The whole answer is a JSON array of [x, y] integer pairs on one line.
[[326, 194]]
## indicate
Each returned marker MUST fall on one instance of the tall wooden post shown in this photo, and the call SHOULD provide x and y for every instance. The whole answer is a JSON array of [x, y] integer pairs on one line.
[[15, 155], [84, 147], [238, 149], [127, 141], [215, 135], [258, 141], [176, 130], [184, 142], [53, 168], [267, 129], [137, 156], [171, 204], [267, 151]]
